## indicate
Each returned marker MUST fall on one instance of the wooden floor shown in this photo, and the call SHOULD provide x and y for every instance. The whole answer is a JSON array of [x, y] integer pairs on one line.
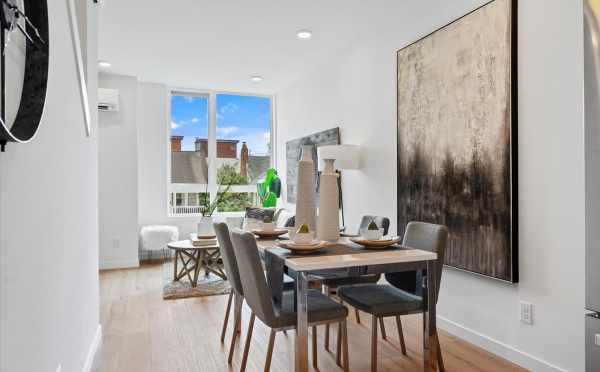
[[142, 332]]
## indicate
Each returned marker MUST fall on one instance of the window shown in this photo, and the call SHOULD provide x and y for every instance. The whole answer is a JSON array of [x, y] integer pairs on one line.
[[218, 140]]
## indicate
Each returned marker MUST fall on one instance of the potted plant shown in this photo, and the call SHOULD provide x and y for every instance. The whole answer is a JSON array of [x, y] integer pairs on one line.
[[373, 232], [207, 208], [268, 224]]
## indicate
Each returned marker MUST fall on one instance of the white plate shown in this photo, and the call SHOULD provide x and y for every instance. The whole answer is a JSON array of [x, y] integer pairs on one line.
[[314, 243]]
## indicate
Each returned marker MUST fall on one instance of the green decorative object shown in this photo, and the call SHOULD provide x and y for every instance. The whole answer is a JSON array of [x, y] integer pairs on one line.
[[373, 226], [304, 229], [269, 189]]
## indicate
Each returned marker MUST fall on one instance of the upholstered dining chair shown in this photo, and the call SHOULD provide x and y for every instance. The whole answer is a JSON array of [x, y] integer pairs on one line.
[[331, 285], [237, 291], [258, 295], [388, 301]]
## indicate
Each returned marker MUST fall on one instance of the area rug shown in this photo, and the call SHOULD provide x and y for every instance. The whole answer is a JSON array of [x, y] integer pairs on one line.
[[210, 285]]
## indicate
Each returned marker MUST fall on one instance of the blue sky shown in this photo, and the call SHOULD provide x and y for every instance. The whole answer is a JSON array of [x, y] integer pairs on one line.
[[245, 118]]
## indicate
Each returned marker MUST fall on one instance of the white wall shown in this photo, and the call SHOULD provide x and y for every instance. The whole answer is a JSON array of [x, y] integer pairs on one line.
[[357, 91], [49, 224], [118, 175], [153, 154], [133, 151]]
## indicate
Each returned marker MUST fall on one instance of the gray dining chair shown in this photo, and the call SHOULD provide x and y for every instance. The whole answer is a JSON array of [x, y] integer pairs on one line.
[[237, 291], [383, 301], [330, 285], [258, 296]]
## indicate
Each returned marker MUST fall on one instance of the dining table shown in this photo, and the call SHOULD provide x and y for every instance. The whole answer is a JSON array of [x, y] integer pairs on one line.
[[345, 258]]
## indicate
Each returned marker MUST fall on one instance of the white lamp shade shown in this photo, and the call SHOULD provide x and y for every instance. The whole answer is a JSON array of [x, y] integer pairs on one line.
[[345, 156]]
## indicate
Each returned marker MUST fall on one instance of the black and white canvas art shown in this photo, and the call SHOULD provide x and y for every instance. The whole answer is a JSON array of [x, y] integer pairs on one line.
[[457, 138], [293, 151]]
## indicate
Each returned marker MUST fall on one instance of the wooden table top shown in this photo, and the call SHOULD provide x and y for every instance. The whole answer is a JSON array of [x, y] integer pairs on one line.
[[373, 257]]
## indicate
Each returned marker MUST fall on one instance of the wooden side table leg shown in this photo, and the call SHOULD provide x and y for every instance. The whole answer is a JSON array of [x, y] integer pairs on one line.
[[175, 266], [198, 257]]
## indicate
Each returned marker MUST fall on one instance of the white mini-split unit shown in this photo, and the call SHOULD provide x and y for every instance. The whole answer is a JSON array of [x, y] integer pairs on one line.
[[108, 99]]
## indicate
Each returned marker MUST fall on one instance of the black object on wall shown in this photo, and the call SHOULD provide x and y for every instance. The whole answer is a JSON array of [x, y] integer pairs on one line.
[[32, 23]]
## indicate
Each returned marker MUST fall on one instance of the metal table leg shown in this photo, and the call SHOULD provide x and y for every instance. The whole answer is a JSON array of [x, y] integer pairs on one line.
[[301, 355]]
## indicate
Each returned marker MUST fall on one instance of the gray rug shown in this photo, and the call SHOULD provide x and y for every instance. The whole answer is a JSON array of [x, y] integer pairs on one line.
[[210, 285]]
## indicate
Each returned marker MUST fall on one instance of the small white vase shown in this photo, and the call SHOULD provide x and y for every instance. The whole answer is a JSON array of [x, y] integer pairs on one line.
[[328, 226], [305, 198], [205, 227]]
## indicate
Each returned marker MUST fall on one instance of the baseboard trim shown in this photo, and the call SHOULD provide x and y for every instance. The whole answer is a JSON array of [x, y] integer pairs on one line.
[[496, 347], [91, 355], [119, 264]]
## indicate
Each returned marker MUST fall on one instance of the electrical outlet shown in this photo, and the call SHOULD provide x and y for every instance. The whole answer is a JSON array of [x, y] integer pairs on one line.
[[116, 242], [526, 313]]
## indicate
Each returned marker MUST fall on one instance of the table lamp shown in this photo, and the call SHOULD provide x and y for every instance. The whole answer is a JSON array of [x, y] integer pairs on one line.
[[346, 157]]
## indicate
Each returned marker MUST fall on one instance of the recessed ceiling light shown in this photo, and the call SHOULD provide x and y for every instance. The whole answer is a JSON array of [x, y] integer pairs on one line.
[[104, 64], [256, 78], [304, 34]]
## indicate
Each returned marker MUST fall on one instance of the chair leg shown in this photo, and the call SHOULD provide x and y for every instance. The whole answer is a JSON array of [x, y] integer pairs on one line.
[[345, 351], [357, 315], [374, 344], [382, 325], [270, 350], [400, 334], [240, 305], [314, 347], [439, 354], [338, 351], [248, 341], [234, 336], [327, 336], [226, 317]]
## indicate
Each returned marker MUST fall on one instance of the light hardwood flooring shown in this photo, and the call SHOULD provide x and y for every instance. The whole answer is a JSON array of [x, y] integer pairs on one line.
[[142, 332]]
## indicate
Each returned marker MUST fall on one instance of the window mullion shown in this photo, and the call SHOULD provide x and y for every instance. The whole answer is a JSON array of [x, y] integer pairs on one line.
[[212, 145]]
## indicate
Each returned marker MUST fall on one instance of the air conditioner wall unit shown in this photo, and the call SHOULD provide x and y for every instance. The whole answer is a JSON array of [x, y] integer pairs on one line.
[[108, 99]]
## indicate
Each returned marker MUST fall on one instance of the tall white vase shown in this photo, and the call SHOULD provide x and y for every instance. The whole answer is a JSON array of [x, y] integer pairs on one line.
[[305, 199], [328, 225]]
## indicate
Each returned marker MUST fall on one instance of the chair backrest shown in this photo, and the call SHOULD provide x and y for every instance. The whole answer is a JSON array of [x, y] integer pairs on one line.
[[382, 222], [428, 237], [256, 291], [228, 256]]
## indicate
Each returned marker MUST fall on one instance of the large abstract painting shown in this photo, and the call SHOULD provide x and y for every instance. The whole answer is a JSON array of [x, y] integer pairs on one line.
[[293, 151], [457, 138]]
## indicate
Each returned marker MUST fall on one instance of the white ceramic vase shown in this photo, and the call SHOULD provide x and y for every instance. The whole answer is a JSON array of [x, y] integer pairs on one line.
[[328, 225], [205, 227], [305, 199]]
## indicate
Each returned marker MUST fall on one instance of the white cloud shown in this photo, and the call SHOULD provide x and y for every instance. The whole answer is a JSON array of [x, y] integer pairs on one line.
[[195, 120], [188, 99], [229, 108], [225, 131], [267, 136], [174, 125]]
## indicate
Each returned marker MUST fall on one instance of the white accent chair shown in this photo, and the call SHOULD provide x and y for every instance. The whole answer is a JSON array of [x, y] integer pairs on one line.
[[154, 238]]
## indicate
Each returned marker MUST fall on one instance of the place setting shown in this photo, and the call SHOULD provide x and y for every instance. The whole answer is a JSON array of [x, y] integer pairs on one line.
[[268, 230], [303, 241], [372, 237]]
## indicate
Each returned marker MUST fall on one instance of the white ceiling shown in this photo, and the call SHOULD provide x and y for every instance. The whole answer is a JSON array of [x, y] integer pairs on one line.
[[219, 44]]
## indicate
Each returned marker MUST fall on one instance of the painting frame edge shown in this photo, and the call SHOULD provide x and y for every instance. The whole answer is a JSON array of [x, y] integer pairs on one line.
[[514, 171], [338, 132]]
